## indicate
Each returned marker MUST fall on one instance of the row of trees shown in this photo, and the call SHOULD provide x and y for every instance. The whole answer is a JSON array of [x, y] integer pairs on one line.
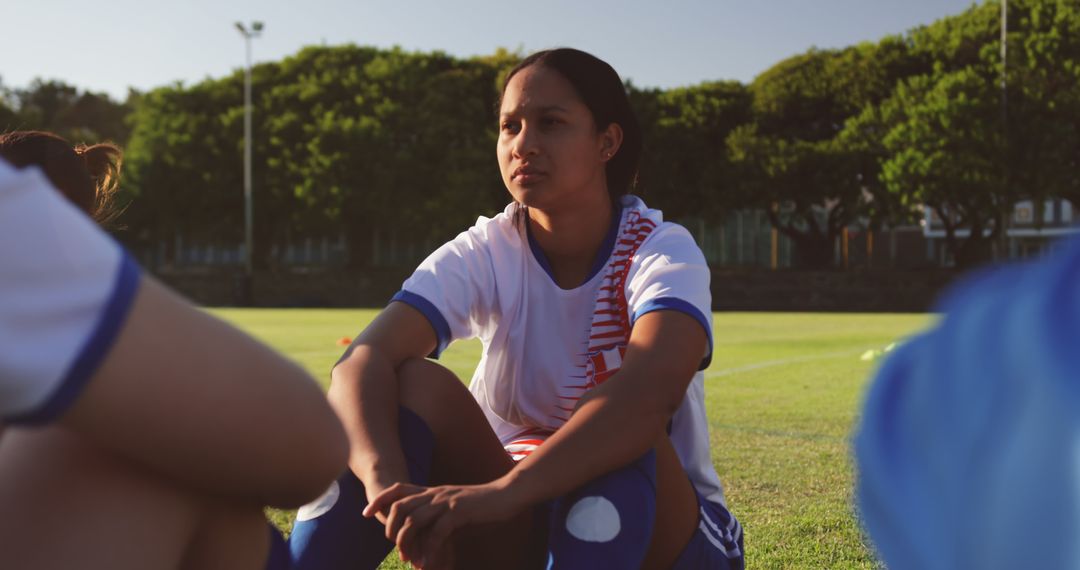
[[933, 118], [63, 109], [353, 140]]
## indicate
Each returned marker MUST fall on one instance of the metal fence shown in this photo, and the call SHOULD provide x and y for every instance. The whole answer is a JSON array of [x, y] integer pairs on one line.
[[741, 239]]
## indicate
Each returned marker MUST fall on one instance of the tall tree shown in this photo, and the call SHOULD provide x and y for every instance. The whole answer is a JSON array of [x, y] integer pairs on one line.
[[343, 138], [80, 116], [946, 152], [956, 140], [685, 168], [794, 161]]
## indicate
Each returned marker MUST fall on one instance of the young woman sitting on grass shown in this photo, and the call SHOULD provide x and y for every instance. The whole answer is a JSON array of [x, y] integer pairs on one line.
[[584, 441]]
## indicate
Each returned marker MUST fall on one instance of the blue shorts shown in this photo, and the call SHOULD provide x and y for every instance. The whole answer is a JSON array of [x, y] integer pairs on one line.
[[716, 544]]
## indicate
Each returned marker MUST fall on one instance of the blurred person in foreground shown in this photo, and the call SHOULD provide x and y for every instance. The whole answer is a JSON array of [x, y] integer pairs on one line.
[[136, 431], [969, 446]]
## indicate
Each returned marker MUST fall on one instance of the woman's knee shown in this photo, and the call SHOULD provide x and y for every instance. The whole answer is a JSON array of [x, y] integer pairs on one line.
[[230, 536], [422, 381], [466, 449], [433, 392], [54, 483]]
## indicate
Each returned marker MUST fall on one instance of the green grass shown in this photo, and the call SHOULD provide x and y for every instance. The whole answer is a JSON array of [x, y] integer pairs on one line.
[[783, 393]]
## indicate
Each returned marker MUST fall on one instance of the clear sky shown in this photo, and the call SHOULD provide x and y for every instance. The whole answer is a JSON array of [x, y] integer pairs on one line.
[[109, 45]]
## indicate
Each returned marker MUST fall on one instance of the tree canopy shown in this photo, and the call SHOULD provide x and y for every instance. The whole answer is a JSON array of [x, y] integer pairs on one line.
[[862, 136]]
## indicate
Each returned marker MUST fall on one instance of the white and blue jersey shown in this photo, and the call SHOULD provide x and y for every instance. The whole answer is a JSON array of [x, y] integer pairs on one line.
[[65, 289], [544, 346]]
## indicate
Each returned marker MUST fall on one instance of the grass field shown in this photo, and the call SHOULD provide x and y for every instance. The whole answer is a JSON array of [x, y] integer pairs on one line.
[[783, 394]]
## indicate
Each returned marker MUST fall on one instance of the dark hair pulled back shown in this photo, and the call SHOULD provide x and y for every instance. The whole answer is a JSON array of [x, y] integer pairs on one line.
[[603, 92]]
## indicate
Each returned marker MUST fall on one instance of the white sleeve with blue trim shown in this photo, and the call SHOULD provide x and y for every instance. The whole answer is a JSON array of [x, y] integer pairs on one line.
[[454, 287], [669, 272], [65, 289]]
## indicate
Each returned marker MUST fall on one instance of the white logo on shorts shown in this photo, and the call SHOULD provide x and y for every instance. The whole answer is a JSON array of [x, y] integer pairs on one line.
[[594, 519], [318, 507]]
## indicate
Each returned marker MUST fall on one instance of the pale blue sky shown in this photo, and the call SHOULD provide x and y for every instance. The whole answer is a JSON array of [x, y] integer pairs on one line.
[[108, 45]]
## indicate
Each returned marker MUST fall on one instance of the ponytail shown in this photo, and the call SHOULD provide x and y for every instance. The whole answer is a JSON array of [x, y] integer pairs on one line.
[[88, 176], [102, 163]]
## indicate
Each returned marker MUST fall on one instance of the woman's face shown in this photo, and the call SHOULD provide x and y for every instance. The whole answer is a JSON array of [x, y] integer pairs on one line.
[[550, 153]]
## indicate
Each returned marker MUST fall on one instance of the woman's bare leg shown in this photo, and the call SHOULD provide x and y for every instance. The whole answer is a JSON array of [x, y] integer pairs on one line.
[[68, 504], [468, 452], [676, 509]]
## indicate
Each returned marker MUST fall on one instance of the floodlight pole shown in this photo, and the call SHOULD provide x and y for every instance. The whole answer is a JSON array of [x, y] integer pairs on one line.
[[249, 234], [1004, 53], [1003, 238]]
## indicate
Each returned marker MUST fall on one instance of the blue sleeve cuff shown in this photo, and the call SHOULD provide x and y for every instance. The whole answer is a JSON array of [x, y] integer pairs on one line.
[[93, 352], [675, 304], [438, 322]]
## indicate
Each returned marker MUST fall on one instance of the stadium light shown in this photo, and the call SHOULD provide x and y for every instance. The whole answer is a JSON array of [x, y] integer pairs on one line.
[[1003, 238], [249, 234]]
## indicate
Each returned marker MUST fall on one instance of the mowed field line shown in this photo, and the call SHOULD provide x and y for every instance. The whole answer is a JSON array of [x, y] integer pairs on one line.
[[784, 434], [773, 432], [781, 362]]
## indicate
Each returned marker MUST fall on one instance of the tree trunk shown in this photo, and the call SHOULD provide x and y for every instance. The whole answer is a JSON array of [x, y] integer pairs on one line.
[[975, 250], [813, 250]]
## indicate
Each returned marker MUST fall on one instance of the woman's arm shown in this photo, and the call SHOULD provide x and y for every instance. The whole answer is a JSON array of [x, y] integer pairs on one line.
[[615, 424], [364, 392], [202, 403], [618, 421]]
